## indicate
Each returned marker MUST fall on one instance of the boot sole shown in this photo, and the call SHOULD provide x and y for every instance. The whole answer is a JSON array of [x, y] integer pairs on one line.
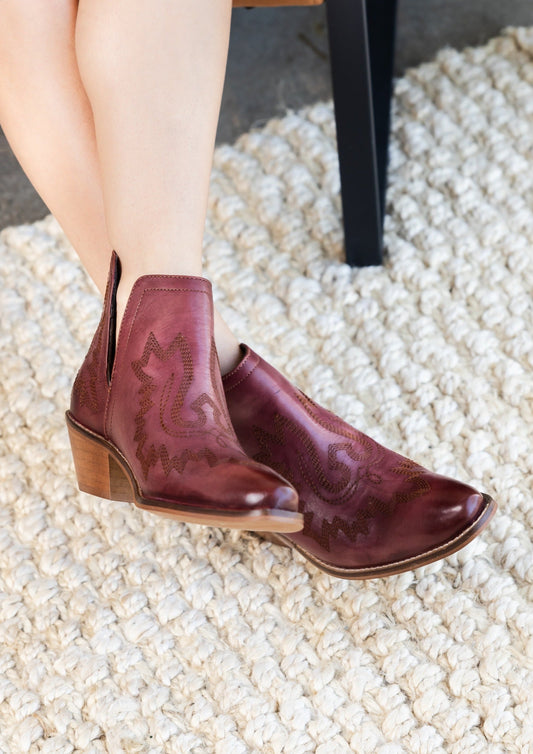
[[102, 470], [400, 566]]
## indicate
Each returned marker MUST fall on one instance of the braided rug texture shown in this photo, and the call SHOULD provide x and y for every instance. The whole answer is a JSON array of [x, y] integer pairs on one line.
[[121, 631]]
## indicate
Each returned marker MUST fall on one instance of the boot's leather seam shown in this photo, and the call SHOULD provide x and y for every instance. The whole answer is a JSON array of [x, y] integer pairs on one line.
[[252, 370], [244, 363]]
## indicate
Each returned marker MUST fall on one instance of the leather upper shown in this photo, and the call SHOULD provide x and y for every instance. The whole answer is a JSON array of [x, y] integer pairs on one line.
[[159, 400], [363, 505]]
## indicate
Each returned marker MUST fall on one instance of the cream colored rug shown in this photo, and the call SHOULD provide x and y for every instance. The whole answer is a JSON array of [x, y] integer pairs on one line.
[[124, 632]]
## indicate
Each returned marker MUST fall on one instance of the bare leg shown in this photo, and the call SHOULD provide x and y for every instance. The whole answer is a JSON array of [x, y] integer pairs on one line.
[[47, 118], [149, 173]]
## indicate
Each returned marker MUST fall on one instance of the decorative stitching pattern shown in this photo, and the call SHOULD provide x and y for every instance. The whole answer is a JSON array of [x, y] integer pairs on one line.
[[309, 462], [334, 482], [172, 407], [124, 337]]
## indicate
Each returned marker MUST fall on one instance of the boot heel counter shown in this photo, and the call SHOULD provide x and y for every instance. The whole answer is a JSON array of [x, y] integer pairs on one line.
[[89, 391]]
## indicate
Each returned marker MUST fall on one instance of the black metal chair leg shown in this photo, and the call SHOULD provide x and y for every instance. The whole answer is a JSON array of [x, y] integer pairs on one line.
[[357, 90], [381, 20]]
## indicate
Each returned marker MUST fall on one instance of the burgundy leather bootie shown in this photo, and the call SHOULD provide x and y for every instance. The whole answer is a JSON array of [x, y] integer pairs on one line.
[[148, 421], [368, 511]]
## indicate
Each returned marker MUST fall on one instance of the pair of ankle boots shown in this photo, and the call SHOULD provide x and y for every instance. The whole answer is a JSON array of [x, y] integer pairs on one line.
[[153, 422]]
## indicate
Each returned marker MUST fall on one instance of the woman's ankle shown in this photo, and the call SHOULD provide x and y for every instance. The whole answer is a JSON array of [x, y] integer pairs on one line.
[[228, 346]]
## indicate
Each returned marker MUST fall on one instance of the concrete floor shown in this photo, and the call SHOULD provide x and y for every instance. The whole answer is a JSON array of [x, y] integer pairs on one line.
[[278, 58]]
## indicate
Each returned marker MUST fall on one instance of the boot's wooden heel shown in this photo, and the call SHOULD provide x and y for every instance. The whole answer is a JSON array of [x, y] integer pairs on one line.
[[97, 471]]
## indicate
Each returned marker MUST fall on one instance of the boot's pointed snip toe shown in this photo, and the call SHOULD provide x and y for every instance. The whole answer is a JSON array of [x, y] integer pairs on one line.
[[368, 511], [148, 421]]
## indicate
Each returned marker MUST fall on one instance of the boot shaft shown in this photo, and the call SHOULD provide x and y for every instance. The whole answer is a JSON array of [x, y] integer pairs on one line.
[[165, 362]]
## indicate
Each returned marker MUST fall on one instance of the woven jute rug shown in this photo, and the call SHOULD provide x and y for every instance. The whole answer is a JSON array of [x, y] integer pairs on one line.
[[121, 631]]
